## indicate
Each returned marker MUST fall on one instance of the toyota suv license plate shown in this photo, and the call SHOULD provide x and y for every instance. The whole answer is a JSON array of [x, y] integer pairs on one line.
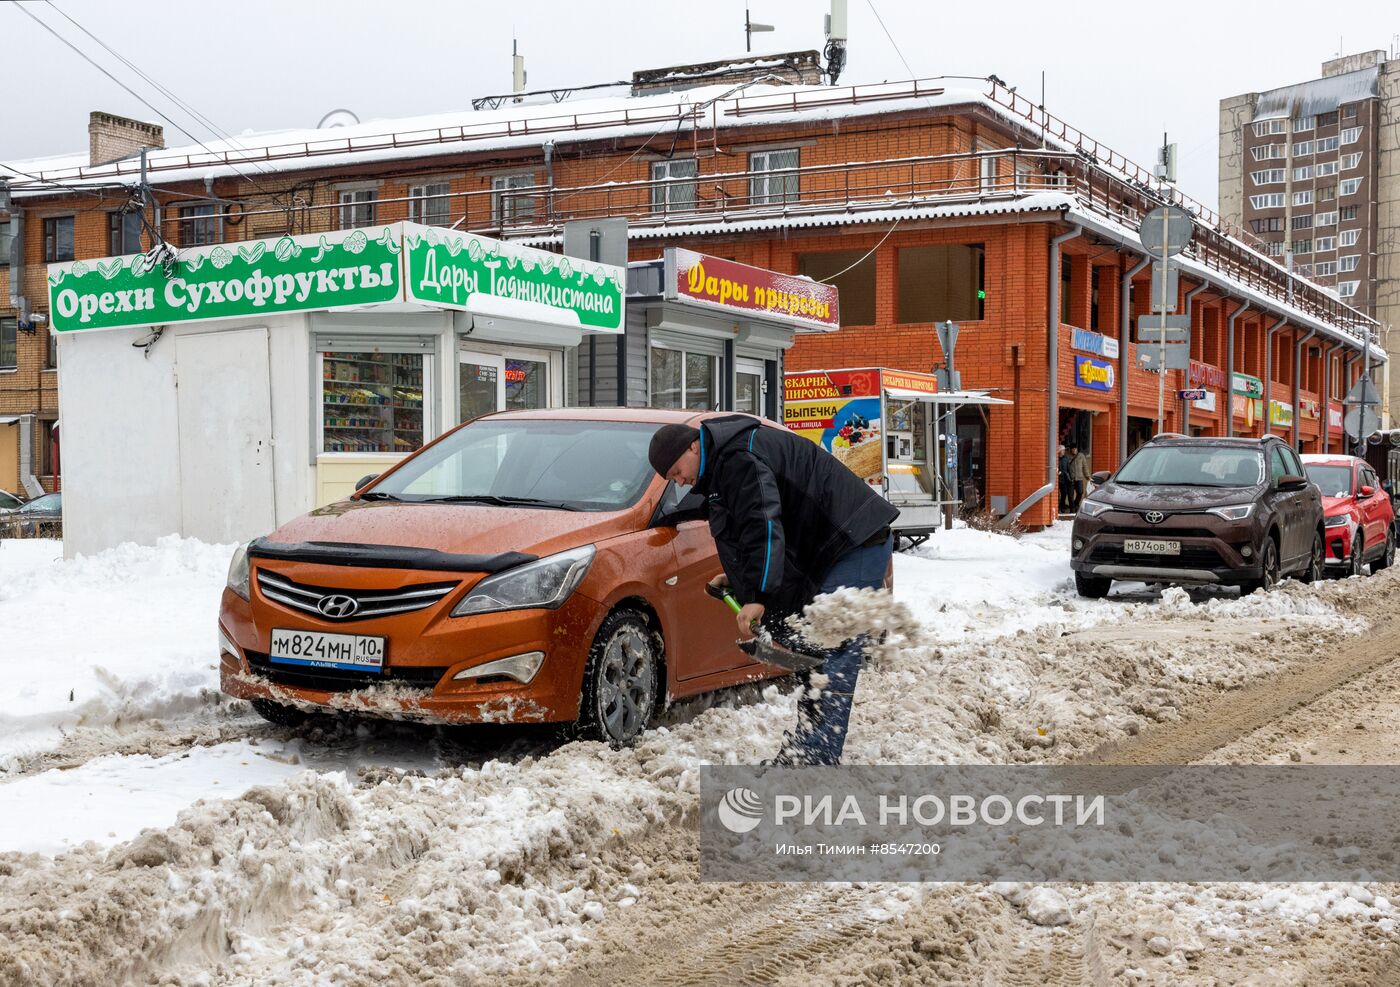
[[1152, 546], [350, 652]]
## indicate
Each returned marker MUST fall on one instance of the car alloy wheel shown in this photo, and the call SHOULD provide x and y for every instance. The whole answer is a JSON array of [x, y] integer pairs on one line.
[[621, 691], [1269, 574], [1387, 558], [1357, 555]]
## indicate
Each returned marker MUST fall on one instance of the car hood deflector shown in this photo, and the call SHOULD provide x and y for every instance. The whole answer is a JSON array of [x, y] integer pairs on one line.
[[384, 556]]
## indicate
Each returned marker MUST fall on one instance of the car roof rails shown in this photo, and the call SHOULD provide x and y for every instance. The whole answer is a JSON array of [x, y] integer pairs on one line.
[[1168, 435]]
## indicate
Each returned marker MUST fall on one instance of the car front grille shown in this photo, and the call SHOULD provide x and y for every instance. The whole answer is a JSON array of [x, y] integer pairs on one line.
[[1156, 531], [336, 680], [367, 604], [1191, 557]]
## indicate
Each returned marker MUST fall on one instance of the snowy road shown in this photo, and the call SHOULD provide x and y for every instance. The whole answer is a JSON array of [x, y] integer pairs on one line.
[[387, 854]]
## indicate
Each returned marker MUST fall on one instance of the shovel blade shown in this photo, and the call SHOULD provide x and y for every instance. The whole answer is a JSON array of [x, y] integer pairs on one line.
[[770, 652]]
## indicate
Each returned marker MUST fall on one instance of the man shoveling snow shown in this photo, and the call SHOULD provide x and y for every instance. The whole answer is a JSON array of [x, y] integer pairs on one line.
[[790, 522]]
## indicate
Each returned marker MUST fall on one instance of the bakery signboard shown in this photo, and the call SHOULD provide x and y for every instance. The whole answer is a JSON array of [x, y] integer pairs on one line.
[[843, 410]]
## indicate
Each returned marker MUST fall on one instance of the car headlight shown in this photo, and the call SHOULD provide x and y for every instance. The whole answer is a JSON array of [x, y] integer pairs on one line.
[[1335, 521], [238, 571], [1235, 512], [544, 584], [1092, 508]]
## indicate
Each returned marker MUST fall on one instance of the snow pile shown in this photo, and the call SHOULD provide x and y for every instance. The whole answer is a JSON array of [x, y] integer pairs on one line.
[[127, 634]]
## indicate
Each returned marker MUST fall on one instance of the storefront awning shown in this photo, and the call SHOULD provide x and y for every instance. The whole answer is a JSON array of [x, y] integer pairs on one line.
[[390, 265], [8, 419], [945, 397]]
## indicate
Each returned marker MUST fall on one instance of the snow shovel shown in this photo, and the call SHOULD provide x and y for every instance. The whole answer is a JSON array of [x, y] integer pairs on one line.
[[762, 646]]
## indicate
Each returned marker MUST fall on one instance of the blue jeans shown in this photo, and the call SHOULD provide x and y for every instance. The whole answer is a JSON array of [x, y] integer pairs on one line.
[[822, 722]]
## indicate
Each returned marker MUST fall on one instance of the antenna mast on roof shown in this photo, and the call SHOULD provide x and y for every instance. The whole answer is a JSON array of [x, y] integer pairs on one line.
[[751, 28], [835, 41], [517, 70]]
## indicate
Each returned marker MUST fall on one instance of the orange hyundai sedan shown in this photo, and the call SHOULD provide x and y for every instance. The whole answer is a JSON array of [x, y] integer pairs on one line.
[[524, 567]]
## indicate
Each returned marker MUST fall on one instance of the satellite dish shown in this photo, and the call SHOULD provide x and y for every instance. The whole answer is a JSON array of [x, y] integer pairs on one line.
[[338, 118]]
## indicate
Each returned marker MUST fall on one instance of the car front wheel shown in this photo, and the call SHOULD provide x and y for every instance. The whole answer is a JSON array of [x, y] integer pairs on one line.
[[282, 714], [622, 683], [1091, 587], [1358, 551], [1269, 576]]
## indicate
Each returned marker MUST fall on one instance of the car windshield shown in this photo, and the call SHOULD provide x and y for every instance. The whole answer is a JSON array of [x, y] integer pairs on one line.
[[9, 501], [1333, 481], [1193, 466], [48, 502], [568, 465]]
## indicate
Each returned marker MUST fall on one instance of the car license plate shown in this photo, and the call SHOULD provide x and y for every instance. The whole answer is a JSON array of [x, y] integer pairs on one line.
[[1152, 546], [351, 652]]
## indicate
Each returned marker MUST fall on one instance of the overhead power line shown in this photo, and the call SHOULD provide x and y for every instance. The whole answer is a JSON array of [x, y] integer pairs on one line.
[[895, 44]]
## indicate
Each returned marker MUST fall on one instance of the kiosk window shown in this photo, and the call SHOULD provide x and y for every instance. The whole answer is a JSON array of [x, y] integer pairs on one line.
[[684, 380], [941, 282], [372, 402], [853, 273]]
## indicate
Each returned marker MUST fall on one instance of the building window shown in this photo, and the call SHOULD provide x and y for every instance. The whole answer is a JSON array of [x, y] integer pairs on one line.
[[508, 205], [1302, 222], [1325, 219], [1348, 263], [431, 204], [199, 225], [1274, 248], [1303, 198], [1349, 237], [1325, 243], [1347, 289], [1349, 111], [1326, 193], [1350, 185], [671, 192], [371, 401], [6, 238], [1351, 135], [1267, 152], [58, 239], [1325, 168], [853, 273], [1326, 269], [684, 380], [1301, 174], [1269, 176], [356, 207], [1266, 127], [1348, 212], [1302, 246], [1303, 124], [1302, 148], [51, 352], [941, 282], [774, 180], [1304, 270], [46, 444], [1325, 144], [123, 233], [9, 343], [1271, 224], [1328, 119], [1350, 161], [1269, 200]]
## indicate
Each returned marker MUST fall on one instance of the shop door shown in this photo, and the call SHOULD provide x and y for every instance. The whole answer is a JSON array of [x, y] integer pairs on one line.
[[481, 384], [224, 417], [748, 387]]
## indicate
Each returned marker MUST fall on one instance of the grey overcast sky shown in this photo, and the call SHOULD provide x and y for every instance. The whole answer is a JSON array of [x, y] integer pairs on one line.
[[1120, 72]]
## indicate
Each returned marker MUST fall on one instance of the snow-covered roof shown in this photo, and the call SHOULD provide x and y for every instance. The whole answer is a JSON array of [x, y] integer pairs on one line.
[[1305, 99], [510, 127]]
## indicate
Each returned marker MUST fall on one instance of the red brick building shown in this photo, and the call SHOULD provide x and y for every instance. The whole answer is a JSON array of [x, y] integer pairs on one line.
[[921, 200]]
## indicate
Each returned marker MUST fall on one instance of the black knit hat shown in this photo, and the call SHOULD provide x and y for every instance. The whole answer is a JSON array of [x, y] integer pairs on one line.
[[668, 444]]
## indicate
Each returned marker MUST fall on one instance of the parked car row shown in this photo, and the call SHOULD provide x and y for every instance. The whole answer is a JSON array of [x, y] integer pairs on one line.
[[1230, 512], [41, 517]]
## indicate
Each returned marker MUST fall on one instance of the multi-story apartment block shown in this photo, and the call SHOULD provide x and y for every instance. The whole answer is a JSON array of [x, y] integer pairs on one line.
[[922, 201], [1313, 171]]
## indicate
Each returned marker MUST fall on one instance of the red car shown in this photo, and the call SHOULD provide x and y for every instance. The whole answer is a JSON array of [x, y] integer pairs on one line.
[[1358, 519]]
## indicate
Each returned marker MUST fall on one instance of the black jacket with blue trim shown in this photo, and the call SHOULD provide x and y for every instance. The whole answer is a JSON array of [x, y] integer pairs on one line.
[[782, 510]]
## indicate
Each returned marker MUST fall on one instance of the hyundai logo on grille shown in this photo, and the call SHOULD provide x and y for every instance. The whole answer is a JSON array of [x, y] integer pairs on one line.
[[339, 606], [1151, 517]]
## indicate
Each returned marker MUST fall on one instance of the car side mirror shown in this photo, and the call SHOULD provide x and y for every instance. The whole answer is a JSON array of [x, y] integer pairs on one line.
[[366, 480], [691, 507], [1292, 481], [1367, 491], [1100, 478]]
